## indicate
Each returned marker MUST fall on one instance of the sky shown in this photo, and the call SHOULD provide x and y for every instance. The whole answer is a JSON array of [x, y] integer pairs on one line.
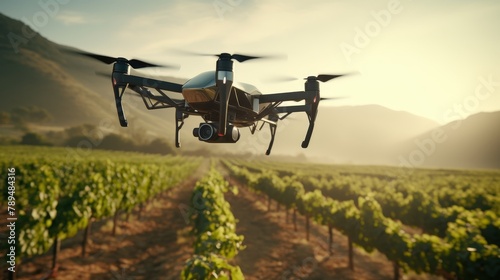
[[436, 59]]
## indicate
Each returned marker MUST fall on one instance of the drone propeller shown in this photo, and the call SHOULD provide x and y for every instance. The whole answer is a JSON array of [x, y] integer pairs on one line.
[[325, 77], [320, 77], [331, 98], [135, 63], [279, 79], [238, 57]]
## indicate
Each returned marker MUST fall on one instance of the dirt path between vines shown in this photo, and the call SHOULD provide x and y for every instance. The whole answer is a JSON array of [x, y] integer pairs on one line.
[[275, 251], [157, 245]]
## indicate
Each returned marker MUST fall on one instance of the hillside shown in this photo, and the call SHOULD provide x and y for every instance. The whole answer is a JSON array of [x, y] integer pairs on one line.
[[470, 143], [353, 134], [65, 85]]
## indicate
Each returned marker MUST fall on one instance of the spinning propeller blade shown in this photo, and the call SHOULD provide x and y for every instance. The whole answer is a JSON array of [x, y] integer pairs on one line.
[[331, 98], [238, 57], [320, 77], [327, 77], [135, 63], [243, 58], [102, 58], [279, 79]]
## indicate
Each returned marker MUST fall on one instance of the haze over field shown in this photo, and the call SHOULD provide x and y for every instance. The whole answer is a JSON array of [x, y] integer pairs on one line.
[[423, 64]]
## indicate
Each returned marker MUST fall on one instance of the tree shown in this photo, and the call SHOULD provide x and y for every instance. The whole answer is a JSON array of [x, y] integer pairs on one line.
[[117, 142], [81, 130], [32, 138], [158, 146]]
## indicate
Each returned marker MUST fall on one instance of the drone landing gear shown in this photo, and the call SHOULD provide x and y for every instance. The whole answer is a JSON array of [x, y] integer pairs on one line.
[[273, 124], [179, 122], [119, 90], [272, 127], [305, 143]]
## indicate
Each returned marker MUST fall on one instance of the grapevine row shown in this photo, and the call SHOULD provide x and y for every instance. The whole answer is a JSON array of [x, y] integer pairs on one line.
[[463, 253], [214, 228], [469, 189], [56, 196], [414, 207], [409, 200]]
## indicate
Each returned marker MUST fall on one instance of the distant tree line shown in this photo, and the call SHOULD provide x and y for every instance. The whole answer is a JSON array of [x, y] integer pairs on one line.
[[82, 136], [23, 116]]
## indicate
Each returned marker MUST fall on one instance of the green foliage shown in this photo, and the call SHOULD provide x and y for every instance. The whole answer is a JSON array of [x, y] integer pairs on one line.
[[88, 136], [214, 227], [293, 190], [459, 212], [57, 192], [34, 139], [210, 267], [158, 146]]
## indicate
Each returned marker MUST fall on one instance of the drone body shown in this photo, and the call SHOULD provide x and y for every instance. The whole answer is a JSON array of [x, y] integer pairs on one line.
[[223, 104], [200, 93]]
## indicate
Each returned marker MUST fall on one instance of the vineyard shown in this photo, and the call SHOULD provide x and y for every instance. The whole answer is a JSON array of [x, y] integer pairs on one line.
[[248, 218], [59, 194], [215, 231], [456, 214]]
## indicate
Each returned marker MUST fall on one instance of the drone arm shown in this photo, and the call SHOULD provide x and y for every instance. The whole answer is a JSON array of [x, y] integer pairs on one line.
[[285, 96], [294, 109], [146, 82], [161, 102]]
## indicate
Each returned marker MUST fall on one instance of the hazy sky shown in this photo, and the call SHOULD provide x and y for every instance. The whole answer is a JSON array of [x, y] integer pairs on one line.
[[438, 59]]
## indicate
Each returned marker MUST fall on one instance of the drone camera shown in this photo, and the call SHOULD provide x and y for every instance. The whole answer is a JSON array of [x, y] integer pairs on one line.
[[208, 132]]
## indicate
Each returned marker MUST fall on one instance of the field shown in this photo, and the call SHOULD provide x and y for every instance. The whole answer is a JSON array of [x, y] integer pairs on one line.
[[107, 215]]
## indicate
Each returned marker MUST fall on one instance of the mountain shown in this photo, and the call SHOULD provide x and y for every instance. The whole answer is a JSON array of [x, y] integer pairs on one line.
[[353, 134], [470, 143], [35, 71]]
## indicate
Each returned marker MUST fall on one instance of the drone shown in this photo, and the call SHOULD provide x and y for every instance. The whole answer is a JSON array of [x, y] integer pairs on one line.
[[223, 104]]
